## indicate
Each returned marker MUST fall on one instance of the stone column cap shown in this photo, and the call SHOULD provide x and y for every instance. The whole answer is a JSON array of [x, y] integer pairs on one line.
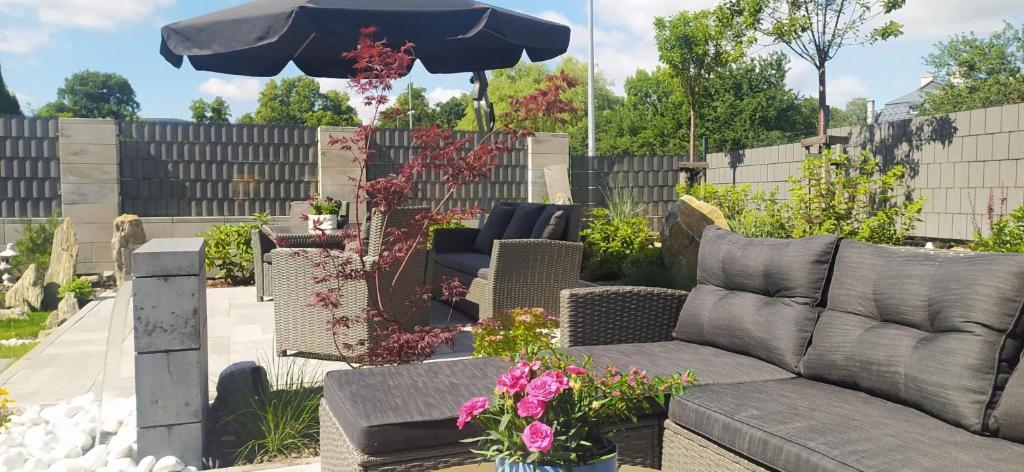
[[169, 257]]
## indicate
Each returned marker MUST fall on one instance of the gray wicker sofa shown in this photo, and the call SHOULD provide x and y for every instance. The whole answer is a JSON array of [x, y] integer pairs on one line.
[[812, 355], [524, 255]]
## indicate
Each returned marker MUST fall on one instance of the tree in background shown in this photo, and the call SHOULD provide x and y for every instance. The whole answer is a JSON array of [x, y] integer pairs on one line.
[[696, 46], [215, 111], [449, 113], [978, 72], [397, 113], [91, 94], [649, 119], [855, 114], [298, 101], [815, 30], [8, 102]]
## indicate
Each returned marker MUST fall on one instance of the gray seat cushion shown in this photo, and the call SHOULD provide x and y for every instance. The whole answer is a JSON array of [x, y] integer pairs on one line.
[[922, 328], [803, 425], [756, 296], [389, 409], [1008, 419], [466, 262]]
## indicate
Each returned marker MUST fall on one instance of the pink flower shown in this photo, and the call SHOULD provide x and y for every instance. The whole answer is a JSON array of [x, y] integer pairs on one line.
[[535, 365], [549, 384], [470, 409], [530, 407], [573, 370], [515, 380], [538, 437]]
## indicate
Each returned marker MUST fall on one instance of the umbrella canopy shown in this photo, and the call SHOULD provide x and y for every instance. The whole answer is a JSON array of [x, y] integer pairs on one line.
[[260, 38]]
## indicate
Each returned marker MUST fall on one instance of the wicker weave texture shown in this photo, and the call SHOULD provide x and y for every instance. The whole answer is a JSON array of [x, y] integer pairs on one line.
[[618, 315], [639, 445], [263, 271], [527, 273], [685, 451]]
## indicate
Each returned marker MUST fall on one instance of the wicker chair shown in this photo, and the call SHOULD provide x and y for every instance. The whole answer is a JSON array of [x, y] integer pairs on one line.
[[301, 329], [522, 273]]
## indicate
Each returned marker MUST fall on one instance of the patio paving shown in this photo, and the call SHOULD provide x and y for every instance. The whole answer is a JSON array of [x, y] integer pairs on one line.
[[93, 351]]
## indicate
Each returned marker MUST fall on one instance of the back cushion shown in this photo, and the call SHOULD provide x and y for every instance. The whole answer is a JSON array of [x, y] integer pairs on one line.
[[926, 329], [525, 219], [493, 228], [756, 296], [551, 224], [1008, 419]]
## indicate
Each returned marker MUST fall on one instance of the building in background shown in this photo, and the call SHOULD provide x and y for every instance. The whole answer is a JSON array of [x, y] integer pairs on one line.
[[902, 108]]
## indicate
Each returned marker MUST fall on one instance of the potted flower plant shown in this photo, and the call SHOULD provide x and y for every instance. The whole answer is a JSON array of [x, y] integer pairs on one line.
[[323, 213], [549, 414]]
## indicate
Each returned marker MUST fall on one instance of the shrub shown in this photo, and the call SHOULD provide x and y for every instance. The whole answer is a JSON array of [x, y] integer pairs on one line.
[[453, 222], [285, 423], [753, 214], [81, 287], [325, 206], [229, 249], [1006, 233], [852, 197], [512, 332], [609, 242], [35, 244], [647, 269]]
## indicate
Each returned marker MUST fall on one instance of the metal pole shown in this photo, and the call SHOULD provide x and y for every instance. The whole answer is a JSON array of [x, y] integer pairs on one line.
[[410, 103], [591, 126]]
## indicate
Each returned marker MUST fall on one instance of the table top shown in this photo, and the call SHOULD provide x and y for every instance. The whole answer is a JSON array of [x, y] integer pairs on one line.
[[300, 236]]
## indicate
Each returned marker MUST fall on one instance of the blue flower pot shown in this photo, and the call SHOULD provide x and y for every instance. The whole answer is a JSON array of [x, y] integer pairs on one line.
[[608, 465]]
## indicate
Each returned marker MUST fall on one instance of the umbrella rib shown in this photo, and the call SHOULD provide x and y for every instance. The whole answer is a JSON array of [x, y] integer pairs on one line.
[[303, 48]]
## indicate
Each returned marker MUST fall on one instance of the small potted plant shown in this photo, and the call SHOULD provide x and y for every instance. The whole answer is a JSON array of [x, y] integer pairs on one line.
[[549, 414], [323, 213]]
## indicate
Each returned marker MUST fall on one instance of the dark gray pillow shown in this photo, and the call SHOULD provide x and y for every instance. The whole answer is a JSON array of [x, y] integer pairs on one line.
[[1008, 419], [756, 296], [928, 329], [495, 226], [550, 225], [521, 226]]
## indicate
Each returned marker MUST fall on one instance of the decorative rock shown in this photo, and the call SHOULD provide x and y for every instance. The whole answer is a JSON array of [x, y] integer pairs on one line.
[[168, 464], [14, 459], [19, 313], [67, 465], [27, 293], [146, 464], [680, 240], [63, 258], [238, 385], [125, 464], [95, 458], [129, 234], [67, 308], [34, 464]]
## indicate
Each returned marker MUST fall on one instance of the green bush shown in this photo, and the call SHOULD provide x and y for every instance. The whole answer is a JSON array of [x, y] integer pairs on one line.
[[647, 269], [1007, 234], [609, 242], [35, 244], [757, 214], [81, 287], [453, 223], [509, 333], [229, 249], [326, 206]]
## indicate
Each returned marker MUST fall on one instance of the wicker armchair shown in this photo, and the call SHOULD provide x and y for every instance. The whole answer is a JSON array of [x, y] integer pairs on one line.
[[301, 329], [522, 273], [261, 247]]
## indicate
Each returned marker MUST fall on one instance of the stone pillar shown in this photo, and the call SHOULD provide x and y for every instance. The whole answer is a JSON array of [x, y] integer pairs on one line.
[[547, 151], [335, 169], [169, 313], [90, 187]]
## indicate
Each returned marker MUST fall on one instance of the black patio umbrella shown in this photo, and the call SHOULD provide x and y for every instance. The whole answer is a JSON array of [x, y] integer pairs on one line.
[[260, 38]]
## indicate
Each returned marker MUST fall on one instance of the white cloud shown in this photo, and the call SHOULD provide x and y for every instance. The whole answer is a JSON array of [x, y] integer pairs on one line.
[[25, 25], [638, 15], [441, 94], [22, 40], [235, 88], [938, 19], [843, 89]]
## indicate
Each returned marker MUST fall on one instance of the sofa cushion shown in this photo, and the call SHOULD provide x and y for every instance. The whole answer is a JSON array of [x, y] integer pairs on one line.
[[923, 328], [525, 218], [495, 226], [756, 296], [1008, 419], [800, 424], [550, 224], [468, 263]]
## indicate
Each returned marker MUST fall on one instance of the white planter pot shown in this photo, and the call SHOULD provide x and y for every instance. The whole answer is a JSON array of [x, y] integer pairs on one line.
[[323, 222]]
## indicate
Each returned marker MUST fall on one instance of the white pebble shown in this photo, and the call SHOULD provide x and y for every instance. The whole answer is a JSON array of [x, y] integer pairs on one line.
[[118, 451], [34, 464], [66, 465], [190, 469], [168, 464], [14, 459], [125, 464], [95, 458], [146, 464]]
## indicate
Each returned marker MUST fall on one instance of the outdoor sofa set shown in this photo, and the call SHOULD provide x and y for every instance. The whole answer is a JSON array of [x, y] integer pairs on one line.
[[815, 354]]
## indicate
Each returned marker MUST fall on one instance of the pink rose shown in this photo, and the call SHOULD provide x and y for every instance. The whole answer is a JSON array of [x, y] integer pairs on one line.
[[530, 407], [470, 409], [515, 380], [573, 370], [538, 437], [549, 384]]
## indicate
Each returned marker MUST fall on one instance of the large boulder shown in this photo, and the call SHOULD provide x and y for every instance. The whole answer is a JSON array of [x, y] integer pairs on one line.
[[67, 308], [680, 239], [129, 234], [27, 293], [20, 313], [63, 258]]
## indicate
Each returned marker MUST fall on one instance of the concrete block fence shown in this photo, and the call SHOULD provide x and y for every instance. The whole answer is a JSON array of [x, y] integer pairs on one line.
[[182, 178], [956, 162]]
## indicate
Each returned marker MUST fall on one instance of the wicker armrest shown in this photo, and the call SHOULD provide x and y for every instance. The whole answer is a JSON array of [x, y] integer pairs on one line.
[[543, 258], [454, 239], [618, 315]]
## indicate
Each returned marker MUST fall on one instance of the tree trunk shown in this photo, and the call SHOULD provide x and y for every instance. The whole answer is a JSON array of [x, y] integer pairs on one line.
[[823, 110], [693, 134]]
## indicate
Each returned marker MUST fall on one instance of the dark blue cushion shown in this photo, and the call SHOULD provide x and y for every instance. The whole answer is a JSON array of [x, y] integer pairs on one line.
[[494, 228], [551, 224], [525, 218]]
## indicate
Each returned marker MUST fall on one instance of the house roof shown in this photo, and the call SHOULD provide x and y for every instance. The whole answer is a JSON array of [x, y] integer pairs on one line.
[[903, 107]]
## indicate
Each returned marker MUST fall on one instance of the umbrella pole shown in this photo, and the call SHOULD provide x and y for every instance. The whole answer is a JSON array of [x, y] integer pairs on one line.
[[482, 103]]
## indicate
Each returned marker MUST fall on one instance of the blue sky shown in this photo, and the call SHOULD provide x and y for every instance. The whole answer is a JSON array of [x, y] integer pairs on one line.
[[44, 41]]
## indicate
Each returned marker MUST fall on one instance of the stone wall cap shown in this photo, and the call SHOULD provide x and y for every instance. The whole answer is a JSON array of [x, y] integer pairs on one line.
[[168, 257]]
